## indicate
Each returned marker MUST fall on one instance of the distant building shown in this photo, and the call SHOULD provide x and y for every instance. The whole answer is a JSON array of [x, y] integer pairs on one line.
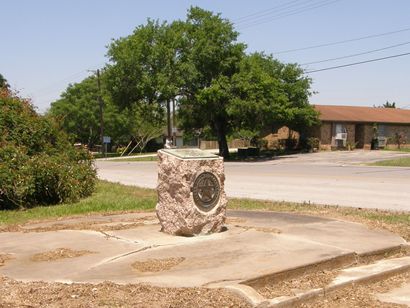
[[344, 126]]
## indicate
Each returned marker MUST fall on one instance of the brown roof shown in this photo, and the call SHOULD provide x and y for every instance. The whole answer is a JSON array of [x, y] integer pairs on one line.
[[363, 114]]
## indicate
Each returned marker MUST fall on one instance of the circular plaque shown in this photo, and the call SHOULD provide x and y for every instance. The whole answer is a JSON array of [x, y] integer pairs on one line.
[[206, 191]]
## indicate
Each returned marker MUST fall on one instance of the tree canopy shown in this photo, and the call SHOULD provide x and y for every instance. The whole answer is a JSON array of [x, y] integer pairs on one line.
[[3, 82], [199, 63], [78, 113], [387, 104]]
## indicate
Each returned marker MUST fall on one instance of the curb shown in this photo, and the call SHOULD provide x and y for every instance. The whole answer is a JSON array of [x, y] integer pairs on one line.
[[388, 268]]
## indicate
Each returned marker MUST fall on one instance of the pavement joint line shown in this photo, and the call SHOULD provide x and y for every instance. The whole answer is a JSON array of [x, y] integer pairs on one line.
[[290, 301], [110, 236], [124, 255]]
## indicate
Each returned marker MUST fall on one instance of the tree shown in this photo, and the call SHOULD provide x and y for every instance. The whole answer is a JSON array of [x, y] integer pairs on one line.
[[387, 104], [200, 63], [144, 67], [399, 138], [261, 93], [232, 91], [3, 82], [212, 56], [78, 113], [145, 127]]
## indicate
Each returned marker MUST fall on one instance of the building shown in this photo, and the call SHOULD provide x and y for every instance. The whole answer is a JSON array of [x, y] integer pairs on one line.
[[360, 127]]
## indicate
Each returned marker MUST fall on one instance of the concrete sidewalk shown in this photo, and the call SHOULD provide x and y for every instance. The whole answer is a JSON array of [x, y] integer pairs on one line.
[[255, 244]]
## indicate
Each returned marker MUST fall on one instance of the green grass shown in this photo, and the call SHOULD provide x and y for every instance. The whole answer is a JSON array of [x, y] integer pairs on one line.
[[116, 198], [108, 197], [149, 158], [398, 162], [405, 150]]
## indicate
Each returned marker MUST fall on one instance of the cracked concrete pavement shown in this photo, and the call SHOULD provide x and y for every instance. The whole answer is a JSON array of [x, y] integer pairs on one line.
[[255, 244]]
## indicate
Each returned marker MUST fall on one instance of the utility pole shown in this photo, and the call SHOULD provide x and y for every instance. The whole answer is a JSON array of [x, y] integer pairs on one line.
[[174, 130], [169, 132], [101, 103]]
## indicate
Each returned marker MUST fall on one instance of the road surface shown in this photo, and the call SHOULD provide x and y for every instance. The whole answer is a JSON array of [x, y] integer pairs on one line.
[[335, 178]]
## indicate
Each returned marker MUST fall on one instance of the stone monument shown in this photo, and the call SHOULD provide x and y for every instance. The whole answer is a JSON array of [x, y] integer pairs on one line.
[[191, 196]]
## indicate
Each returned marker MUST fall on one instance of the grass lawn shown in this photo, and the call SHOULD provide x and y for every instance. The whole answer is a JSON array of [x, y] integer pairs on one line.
[[405, 150], [108, 197], [115, 198], [398, 162], [125, 159]]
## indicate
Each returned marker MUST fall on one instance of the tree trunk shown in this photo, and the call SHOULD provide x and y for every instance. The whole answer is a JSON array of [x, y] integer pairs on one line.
[[220, 127]]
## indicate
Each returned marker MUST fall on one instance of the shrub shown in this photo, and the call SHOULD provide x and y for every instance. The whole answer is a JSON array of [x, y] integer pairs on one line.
[[399, 139], [38, 165], [312, 143]]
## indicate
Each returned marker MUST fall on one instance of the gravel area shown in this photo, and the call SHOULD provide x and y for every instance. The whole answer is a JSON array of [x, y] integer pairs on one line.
[[359, 296], [290, 287], [157, 265], [107, 294], [59, 253]]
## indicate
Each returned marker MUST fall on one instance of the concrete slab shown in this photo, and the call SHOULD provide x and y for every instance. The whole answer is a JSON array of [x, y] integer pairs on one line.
[[254, 244], [397, 296]]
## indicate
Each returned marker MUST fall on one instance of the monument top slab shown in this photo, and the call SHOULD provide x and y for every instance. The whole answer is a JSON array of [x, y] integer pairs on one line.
[[190, 153]]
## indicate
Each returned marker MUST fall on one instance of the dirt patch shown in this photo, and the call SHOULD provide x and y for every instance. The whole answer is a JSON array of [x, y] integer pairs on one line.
[[109, 224], [59, 253], [157, 265], [308, 281], [4, 258], [231, 220], [107, 294], [358, 296], [260, 229]]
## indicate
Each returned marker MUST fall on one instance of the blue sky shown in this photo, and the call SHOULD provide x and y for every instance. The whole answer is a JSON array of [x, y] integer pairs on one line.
[[47, 44]]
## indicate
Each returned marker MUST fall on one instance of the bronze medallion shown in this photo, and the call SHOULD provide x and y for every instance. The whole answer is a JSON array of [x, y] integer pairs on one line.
[[206, 191]]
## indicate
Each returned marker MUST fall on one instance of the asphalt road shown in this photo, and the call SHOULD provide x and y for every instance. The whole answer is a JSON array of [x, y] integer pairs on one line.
[[335, 178]]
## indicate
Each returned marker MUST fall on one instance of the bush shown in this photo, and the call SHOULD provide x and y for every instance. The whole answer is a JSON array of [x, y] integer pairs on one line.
[[38, 165], [312, 143]]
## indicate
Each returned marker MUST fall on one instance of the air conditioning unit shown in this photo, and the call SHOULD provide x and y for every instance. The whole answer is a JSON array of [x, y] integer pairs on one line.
[[382, 142], [341, 136]]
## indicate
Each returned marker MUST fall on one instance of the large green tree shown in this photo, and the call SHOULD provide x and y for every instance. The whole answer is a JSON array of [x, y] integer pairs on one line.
[[144, 72], [78, 113], [200, 63], [212, 56]]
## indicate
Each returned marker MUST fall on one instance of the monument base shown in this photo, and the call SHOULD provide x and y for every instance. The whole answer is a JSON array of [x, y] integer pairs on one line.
[[191, 197]]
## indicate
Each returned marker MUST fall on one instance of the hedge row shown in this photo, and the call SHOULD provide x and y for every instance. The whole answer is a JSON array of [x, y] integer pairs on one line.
[[38, 164]]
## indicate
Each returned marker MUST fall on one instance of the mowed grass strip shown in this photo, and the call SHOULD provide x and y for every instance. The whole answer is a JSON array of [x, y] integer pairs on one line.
[[107, 198], [397, 162], [111, 198], [393, 221], [124, 159]]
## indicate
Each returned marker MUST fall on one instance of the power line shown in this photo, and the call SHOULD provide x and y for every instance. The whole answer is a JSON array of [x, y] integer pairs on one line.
[[357, 54], [46, 90], [342, 42], [289, 13], [267, 12], [357, 63]]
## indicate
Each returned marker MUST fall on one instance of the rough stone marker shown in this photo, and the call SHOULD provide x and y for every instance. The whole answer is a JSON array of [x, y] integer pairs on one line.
[[191, 195]]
